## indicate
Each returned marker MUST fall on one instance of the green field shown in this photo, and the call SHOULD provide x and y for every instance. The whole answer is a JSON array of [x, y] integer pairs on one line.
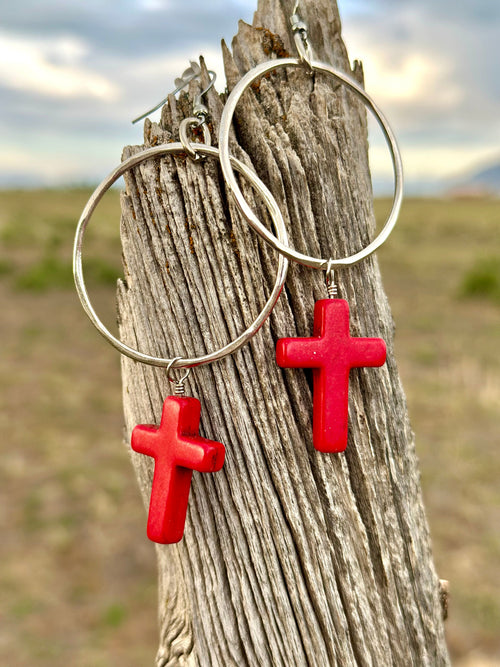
[[77, 576]]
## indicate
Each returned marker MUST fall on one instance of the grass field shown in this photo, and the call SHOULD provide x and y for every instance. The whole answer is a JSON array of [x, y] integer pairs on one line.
[[77, 576]]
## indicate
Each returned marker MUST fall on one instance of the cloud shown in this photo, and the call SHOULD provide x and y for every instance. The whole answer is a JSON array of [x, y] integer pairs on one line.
[[77, 72], [466, 12], [452, 40], [51, 68], [131, 26], [430, 67], [410, 80]]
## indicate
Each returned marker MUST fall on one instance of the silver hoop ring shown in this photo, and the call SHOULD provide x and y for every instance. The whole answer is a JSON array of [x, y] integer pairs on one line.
[[157, 151], [225, 160]]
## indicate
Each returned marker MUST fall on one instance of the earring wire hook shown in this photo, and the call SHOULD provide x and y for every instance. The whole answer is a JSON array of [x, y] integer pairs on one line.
[[193, 72], [200, 110]]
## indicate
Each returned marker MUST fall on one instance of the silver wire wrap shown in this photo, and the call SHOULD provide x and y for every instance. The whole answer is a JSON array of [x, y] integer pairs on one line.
[[301, 39], [225, 125], [331, 285], [131, 162], [179, 389]]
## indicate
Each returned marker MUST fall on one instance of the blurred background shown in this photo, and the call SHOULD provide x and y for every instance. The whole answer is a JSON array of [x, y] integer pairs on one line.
[[77, 576]]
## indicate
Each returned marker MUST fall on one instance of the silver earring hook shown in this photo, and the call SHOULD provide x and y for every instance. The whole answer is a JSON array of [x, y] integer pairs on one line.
[[199, 119], [190, 74], [200, 110]]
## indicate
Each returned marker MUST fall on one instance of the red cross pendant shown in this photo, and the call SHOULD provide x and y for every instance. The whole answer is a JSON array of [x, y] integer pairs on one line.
[[331, 353], [177, 450]]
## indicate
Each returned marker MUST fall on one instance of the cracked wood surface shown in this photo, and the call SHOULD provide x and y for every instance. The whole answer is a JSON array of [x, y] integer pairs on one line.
[[290, 557]]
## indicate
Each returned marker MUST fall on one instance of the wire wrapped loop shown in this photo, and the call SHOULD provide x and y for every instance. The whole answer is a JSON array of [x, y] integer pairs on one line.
[[299, 29], [331, 285], [190, 146], [179, 389]]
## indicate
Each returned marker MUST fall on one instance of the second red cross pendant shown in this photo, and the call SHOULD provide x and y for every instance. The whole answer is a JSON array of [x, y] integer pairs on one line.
[[331, 352]]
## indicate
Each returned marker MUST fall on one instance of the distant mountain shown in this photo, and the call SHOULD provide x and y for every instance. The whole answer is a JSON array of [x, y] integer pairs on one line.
[[489, 177], [485, 181]]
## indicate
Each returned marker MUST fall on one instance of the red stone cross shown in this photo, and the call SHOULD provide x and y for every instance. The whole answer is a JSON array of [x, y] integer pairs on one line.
[[177, 450], [331, 352]]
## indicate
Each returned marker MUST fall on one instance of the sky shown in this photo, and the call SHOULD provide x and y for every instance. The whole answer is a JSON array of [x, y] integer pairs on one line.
[[73, 73]]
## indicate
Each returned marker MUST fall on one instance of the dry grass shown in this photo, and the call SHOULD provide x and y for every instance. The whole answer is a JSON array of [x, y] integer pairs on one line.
[[78, 581], [447, 344]]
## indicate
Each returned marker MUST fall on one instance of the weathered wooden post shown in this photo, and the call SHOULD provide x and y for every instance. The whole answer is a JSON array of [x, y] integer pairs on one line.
[[290, 556]]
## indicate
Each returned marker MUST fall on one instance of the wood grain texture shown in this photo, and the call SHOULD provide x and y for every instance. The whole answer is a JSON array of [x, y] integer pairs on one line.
[[290, 557]]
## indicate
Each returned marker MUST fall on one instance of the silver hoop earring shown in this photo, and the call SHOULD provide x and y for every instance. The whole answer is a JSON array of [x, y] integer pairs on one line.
[[175, 445], [330, 352]]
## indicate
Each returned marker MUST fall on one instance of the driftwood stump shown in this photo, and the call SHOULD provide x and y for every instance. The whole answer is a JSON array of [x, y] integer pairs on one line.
[[290, 557]]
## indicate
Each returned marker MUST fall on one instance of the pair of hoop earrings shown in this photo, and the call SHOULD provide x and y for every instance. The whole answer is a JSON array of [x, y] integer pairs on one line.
[[175, 446]]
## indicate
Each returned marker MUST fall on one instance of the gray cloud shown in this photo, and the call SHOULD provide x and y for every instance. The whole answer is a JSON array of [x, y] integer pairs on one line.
[[138, 50], [126, 28], [139, 46], [451, 9], [460, 37]]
